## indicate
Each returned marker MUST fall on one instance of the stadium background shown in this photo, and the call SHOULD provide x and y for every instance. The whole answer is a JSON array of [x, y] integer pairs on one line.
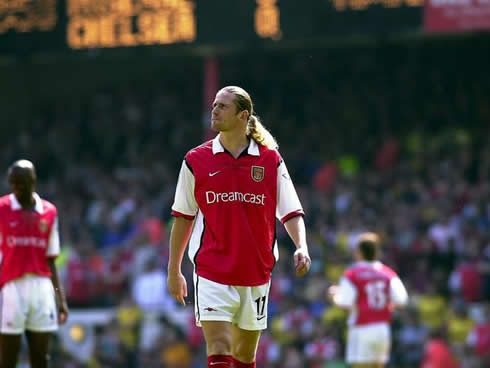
[[381, 110]]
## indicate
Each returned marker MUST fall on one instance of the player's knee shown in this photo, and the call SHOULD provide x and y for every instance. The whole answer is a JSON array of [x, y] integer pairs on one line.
[[219, 346], [244, 352]]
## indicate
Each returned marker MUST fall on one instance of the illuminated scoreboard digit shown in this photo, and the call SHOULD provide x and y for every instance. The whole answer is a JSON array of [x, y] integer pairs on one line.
[[267, 19], [342, 5], [27, 15], [114, 23]]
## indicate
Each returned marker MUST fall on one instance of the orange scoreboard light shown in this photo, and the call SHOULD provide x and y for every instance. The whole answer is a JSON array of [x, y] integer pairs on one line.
[[27, 15], [114, 23]]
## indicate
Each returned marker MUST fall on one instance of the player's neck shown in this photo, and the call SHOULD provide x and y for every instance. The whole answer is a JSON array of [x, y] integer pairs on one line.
[[233, 142], [27, 203]]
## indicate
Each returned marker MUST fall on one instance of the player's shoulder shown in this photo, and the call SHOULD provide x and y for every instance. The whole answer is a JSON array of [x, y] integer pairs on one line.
[[387, 270], [198, 152], [352, 270], [270, 153], [48, 207], [5, 201]]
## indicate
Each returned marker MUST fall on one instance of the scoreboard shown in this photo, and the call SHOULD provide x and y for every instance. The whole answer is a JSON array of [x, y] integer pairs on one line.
[[30, 26]]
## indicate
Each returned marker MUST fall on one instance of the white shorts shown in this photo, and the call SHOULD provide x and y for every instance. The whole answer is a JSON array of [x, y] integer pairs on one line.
[[28, 303], [245, 306], [368, 344]]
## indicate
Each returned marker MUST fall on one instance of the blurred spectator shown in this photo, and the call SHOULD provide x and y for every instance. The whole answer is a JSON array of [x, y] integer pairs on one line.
[[479, 339], [129, 319], [411, 338], [437, 353]]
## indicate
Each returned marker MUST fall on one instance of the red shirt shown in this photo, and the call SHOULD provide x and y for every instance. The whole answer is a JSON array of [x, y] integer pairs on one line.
[[236, 201], [370, 289], [482, 339], [27, 238], [438, 355]]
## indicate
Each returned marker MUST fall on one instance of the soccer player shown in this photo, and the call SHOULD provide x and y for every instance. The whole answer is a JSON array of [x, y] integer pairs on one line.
[[370, 290], [31, 298], [229, 192]]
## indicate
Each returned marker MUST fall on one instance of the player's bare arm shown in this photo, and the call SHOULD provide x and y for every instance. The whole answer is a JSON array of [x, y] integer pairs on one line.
[[297, 231], [59, 292], [179, 237]]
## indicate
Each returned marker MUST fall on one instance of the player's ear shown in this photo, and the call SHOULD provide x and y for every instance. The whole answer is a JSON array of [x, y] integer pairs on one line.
[[243, 115]]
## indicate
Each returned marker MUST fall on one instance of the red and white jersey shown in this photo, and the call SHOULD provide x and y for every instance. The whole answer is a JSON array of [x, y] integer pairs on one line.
[[27, 238], [370, 290], [236, 202]]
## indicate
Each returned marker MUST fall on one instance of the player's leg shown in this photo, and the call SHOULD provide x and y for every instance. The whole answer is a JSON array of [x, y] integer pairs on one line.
[[218, 336], [215, 306], [42, 319], [38, 343], [250, 321], [244, 346], [9, 350], [368, 346], [12, 322]]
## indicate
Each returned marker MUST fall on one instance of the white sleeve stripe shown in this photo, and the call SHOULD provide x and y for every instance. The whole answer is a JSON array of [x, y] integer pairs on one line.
[[287, 198], [54, 241], [185, 201], [398, 293], [346, 293]]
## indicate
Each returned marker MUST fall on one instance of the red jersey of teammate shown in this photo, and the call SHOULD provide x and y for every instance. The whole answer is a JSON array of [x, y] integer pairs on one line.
[[27, 238], [237, 201], [374, 288]]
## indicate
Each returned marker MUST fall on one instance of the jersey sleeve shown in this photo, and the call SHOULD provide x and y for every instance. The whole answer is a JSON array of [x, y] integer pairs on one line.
[[346, 293], [185, 204], [288, 204], [53, 249], [398, 293]]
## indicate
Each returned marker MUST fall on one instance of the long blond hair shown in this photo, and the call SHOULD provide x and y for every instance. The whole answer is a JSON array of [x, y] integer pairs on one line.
[[255, 128]]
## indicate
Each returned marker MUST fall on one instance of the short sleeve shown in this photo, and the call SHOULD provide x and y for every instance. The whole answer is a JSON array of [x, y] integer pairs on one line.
[[288, 204], [54, 240], [185, 204], [398, 293], [346, 293]]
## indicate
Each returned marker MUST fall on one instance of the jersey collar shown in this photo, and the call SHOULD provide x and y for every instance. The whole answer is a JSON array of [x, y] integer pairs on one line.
[[253, 147], [15, 205]]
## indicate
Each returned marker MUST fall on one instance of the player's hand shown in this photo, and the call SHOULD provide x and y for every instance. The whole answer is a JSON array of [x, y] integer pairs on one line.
[[177, 286], [62, 312], [302, 261], [332, 292]]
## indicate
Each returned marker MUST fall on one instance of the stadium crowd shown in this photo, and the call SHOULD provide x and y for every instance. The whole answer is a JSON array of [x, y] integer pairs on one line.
[[381, 138]]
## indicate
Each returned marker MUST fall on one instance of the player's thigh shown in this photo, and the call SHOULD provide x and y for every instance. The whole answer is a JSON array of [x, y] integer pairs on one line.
[[14, 308], [244, 344], [254, 302], [43, 314], [218, 336], [9, 350], [368, 346], [214, 301]]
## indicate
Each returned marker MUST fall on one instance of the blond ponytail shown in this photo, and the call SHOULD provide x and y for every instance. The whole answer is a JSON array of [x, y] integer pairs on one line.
[[259, 133]]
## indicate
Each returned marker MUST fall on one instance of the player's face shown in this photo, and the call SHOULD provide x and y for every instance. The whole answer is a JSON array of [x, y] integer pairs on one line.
[[224, 116], [22, 183]]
